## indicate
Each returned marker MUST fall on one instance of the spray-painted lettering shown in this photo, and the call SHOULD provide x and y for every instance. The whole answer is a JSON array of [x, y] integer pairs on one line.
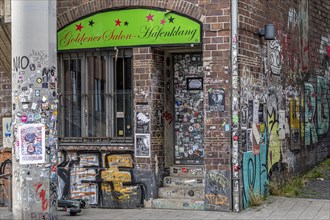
[[322, 106], [20, 63], [310, 108]]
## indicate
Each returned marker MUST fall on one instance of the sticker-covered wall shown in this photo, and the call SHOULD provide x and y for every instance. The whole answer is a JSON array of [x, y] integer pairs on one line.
[[284, 93], [34, 106]]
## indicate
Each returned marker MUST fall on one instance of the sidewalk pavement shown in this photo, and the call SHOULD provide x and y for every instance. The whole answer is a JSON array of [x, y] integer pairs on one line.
[[273, 208]]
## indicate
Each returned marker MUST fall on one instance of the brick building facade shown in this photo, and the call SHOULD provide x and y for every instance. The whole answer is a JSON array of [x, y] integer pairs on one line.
[[203, 124]]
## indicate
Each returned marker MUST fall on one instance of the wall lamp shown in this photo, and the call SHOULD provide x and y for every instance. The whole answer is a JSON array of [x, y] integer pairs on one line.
[[268, 32]]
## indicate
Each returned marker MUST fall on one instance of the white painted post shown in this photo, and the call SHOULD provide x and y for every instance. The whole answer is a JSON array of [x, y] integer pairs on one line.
[[34, 99]]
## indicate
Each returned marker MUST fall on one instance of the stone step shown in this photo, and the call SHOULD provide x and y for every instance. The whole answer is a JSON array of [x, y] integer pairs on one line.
[[175, 181], [196, 193], [187, 171], [164, 203]]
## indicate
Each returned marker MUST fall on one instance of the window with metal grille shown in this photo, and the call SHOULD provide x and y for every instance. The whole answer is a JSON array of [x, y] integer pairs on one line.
[[95, 97]]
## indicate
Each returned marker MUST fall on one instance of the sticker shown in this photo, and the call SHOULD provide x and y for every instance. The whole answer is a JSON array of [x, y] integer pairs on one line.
[[227, 127], [25, 106], [45, 106], [44, 98], [24, 118], [30, 118], [235, 119], [37, 117], [52, 85], [45, 85], [39, 80], [32, 67], [262, 127], [37, 93]]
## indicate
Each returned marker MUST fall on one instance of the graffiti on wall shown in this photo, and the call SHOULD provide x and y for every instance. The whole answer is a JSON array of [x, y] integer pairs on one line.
[[217, 190], [118, 189], [274, 147], [297, 103], [310, 110], [101, 180], [255, 175], [275, 57], [82, 175], [322, 106], [294, 124]]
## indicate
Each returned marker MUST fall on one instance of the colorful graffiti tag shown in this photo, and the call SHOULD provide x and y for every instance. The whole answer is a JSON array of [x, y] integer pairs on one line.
[[255, 175], [322, 106], [100, 179]]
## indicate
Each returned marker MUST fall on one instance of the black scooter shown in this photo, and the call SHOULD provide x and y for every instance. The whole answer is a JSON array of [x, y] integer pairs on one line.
[[73, 206]]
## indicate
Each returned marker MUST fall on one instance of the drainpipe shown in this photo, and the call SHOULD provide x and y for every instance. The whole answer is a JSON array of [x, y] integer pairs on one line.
[[235, 108]]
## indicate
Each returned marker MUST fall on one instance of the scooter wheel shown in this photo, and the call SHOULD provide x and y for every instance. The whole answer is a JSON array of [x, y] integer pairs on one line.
[[73, 213]]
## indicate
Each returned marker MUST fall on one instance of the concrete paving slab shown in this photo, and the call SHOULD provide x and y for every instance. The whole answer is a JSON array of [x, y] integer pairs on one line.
[[311, 210], [324, 212], [297, 210], [275, 208]]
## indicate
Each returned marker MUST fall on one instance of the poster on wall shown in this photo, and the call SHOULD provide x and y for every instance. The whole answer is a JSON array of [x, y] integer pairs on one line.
[[31, 143], [7, 132], [142, 123], [217, 100], [142, 145]]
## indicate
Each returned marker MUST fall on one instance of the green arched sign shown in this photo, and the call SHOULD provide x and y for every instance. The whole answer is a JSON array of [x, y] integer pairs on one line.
[[129, 27]]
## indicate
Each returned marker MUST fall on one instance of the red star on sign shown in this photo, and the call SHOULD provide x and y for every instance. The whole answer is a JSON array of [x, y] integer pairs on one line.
[[118, 22], [79, 27], [150, 17], [162, 21]]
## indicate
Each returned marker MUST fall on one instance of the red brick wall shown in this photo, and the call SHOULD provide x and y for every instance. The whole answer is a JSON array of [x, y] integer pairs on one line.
[[148, 84], [302, 38], [216, 61]]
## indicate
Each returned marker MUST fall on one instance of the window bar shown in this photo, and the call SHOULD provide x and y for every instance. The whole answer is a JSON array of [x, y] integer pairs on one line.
[[107, 100], [61, 112], [115, 95], [124, 95], [93, 94], [100, 93], [84, 102], [69, 99], [76, 94]]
